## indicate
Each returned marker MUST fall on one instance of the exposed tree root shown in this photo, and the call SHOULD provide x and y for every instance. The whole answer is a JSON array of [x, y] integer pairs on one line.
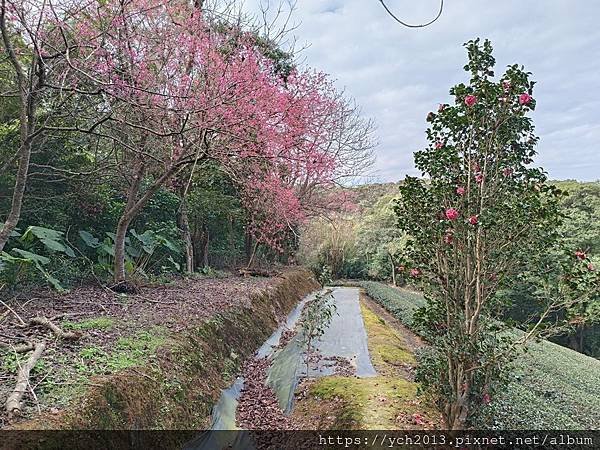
[[13, 402], [45, 322], [14, 313], [21, 348]]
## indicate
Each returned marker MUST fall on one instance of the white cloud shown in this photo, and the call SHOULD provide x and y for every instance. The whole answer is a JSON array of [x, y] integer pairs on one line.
[[397, 74]]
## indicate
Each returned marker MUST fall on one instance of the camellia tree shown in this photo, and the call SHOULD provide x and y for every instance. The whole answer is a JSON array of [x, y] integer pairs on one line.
[[477, 218]]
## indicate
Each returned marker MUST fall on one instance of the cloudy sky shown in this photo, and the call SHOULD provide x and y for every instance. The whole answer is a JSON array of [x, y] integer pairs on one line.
[[398, 74]]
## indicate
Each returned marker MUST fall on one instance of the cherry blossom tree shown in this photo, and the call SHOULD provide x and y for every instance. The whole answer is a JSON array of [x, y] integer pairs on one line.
[[169, 85], [177, 88]]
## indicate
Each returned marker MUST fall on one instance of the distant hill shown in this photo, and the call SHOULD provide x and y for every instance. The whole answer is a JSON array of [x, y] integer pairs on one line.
[[368, 194]]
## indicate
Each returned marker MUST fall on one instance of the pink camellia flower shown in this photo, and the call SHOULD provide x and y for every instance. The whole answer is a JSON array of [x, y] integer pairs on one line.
[[580, 254], [486, 398], [591, 267], [507, 172], [460, 190], [415, 272], [451, 214], [470, 100], [441, 107], [473, 220], [439, 144], [525, 98], [479, 178], [506, 85]]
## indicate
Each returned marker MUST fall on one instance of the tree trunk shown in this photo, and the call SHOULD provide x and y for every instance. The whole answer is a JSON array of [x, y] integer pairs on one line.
[[19, 191], [456, 415], [28, 93], [393, 269], [456, 410], [206, 246], [120, 236], [251, 260], [187, 237], [132, 208], [576, 338]]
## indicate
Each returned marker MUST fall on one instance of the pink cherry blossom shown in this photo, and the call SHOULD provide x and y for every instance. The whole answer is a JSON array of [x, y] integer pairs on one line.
[[451, 214], [525, 98], [159, 61], [460, 190], [470, 100]]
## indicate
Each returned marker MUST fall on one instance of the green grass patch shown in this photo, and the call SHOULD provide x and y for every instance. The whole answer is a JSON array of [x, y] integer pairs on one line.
[[96, 323], [127, 352]]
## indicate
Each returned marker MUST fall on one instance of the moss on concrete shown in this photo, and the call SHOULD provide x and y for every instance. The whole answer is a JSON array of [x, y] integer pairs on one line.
[[385, 402], [386, 345], [365, 403]]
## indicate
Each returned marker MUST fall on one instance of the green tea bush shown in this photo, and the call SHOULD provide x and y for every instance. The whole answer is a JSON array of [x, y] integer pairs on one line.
[[400, 302]]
